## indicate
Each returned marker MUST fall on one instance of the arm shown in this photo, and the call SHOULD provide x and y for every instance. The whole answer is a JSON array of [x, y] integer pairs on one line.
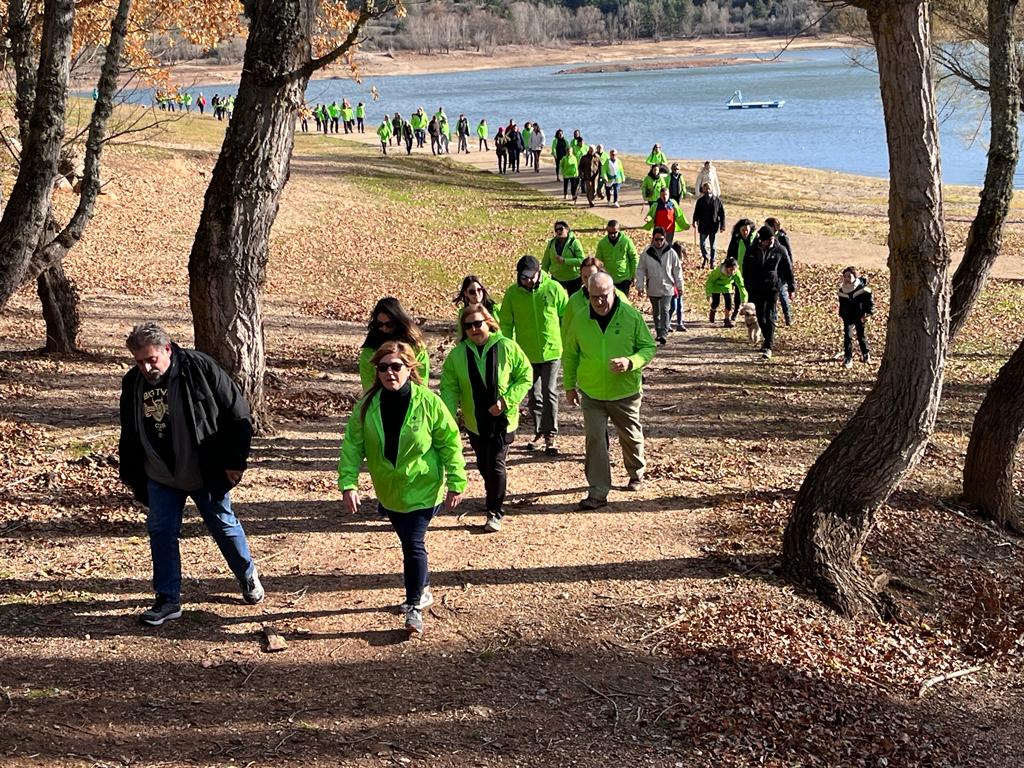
[[506, 318], [445, 439], [561, 300], [366, 372], [353, 451], [423, 358], [570, 359], [643, 343], [574, 254], [737, 280], [641, 275], [545, 260], [677, 272], [520, 377], [631, 255], [449, 388]]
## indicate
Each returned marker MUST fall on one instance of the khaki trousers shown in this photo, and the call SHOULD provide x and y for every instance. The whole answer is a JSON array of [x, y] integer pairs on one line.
[[625, 415]]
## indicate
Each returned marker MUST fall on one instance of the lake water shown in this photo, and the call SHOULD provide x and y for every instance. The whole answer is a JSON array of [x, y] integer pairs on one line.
[[832, 118]]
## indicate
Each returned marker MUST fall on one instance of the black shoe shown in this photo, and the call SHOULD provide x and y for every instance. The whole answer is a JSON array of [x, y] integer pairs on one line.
[[662, 340], [550, 449], [162, 610], [591, 503]]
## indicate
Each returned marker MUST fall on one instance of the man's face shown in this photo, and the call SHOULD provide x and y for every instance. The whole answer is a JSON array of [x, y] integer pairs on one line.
[[602, 294], [529, 281], [766, 244], [664, 195], [153, 361], [613, 231]]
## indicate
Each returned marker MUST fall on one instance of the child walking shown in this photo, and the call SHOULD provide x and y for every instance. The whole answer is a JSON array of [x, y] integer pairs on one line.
[[677, 297], [856, 304], [721, 282]]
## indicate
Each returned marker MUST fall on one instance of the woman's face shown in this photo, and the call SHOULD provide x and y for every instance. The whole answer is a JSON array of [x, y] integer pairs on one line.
[[474, 293], [476, 327], [745, 231], [393, 372], [385, 323]]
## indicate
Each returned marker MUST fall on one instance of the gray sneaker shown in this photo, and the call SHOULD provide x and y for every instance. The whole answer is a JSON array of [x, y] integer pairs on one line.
[[252, 589], [414, 621], [162, 610], [493, 524], [426, 600]]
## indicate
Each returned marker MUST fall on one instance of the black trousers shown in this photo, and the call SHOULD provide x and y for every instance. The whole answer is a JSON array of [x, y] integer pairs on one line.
[[624, 286], [849, 328], [571, 184], [513, 160], [571, 286], [491, 453], [728, 301], [764, 306]]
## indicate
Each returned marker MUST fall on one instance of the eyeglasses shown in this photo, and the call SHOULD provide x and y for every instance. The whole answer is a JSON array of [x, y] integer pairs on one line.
[[559, 229], [393, 367], [382, 324], [474, 325], [658, 239]]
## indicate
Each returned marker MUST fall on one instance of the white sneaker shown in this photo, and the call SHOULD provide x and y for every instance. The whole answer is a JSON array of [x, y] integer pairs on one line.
[[426, 600], [493, 524], [766, 354]]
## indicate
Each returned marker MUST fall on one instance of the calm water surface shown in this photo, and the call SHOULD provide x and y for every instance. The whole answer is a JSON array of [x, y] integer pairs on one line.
[[832, 118]]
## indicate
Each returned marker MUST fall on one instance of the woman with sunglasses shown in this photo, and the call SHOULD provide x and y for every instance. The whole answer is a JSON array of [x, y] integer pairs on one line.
[[390, 322], [413, 451], [487, 375], [473, 291]]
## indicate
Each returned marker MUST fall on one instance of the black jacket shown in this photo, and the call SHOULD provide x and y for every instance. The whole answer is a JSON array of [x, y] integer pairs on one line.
[[856, 303], [765, 272], [708, 214], [219, 415]]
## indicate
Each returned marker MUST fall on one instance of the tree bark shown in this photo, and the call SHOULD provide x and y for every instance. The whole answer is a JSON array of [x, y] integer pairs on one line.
[[986, 233], [837, 502], [60, 310], [995, 439], [29, 203], [228, 263]]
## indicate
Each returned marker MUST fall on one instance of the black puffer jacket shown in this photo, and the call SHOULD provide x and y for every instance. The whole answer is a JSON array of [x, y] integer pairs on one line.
[[766, 271], [218, 414], [856, 302]]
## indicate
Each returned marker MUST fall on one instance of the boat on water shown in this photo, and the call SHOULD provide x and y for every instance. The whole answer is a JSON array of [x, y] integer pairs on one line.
[[737, 102]]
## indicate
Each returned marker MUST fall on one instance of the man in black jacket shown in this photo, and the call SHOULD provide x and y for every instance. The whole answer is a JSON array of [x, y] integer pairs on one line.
[[709, 216], [185, 432], [766, 268]]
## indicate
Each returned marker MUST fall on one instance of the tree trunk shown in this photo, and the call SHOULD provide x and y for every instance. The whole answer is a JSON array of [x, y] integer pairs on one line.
[[60, 310], [835, 508], [29, 201], [228, 264], [986, 233], [995, 439]]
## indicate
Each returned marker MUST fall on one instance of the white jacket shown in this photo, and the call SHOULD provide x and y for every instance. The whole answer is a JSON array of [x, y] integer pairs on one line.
[[536, 141], [658, 278], [711, 177]]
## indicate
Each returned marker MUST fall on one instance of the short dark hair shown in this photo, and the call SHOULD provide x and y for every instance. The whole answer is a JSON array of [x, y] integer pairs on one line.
[[561, 223], [612, 223], [658, 231], [730, 262]]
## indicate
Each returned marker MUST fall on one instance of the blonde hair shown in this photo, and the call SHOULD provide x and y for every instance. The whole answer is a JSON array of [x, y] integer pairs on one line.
[[404, 351], [477, 309]]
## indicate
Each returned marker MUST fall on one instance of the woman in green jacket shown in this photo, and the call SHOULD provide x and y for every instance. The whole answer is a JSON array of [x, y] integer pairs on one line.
[[487, 375], [651, 185], [657, 157], [569, 165], [390, 322], [473, 291], [413, 452]]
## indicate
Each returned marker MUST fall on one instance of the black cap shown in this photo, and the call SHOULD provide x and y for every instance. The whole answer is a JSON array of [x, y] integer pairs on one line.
[[527, 267], [765, 233]]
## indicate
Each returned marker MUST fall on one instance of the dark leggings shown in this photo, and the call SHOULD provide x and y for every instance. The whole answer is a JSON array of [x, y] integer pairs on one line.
[[728, 301], [502, 162], [570, 184], [491, 453], [849, 329], [513, 161], [411, 528]]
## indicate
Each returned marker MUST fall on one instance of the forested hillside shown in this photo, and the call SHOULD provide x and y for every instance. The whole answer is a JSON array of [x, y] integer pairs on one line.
[[442, 25]]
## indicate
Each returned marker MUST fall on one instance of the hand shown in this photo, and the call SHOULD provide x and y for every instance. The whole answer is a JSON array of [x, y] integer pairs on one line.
[[619, 364], [572, 397], [792, 294], [451, 500], [350, 499], [234, 476], [497, 408], [561, 260]]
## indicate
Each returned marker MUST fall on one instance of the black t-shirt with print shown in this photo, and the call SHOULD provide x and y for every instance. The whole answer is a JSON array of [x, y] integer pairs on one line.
[[156, 419]]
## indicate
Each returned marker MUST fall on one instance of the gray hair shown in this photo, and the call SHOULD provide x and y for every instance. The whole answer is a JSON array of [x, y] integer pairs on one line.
[[147, 335], [600, 277]]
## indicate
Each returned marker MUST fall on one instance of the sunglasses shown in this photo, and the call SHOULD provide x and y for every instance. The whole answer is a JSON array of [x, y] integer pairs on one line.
[[393, 367], [382, 324], [474, 325], [658, 239]]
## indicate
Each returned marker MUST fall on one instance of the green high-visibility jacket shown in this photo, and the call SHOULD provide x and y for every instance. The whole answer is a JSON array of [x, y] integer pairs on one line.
[[680, 224], [429, 454], [619, 259], [650, 188], [572, 254], [569, 166], [346, 114], [333, 110], [360, 110], [533, 318], [588, 349], [719, 282], [580, 302], [657, 158], [418, 121], [481, 130], [515, 377], [368, 374], [620, 172], [577, 148], [384, 131], [526, 138], [446, 130]]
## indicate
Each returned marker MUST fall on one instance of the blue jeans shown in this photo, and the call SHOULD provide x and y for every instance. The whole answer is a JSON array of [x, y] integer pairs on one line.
[[784, 301], [676, 309], [707, 242], [163, 522], [411, 528], [613, 192]]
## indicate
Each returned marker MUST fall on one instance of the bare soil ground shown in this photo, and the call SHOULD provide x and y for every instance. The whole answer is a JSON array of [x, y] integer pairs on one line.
[[654, 632]]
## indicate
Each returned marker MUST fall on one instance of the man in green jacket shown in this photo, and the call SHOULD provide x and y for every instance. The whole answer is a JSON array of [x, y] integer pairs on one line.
[[531, 314], [604, 352], [618, 252], [562, 258], [384, 132]]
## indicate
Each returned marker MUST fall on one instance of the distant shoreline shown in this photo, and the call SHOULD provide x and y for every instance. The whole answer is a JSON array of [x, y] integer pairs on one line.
[[651, 66], [638, 55]]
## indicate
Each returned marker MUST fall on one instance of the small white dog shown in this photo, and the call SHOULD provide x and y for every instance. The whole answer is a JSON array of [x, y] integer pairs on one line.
[[749, 315]]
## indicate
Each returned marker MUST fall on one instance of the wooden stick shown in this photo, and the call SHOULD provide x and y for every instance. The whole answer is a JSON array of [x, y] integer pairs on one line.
[[942, 678], [671, 624], [605, 696]]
